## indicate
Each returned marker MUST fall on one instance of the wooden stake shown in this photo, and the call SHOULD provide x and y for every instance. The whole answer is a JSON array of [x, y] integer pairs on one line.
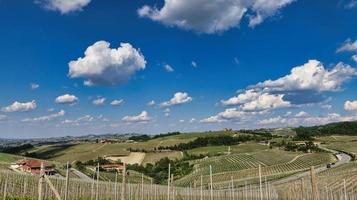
[[116, 186], [201, 192], [260, 183], [123, 187], [40, 183], [5, 187], [344, 188], [313, 183], [97, 191], [142, 186], [168, 183], [302, 189], [211, 181], [58, 197], [67, 182]]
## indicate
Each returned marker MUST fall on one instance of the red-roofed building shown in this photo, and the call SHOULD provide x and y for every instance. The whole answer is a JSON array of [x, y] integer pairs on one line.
[[113, 167], [34, 166]]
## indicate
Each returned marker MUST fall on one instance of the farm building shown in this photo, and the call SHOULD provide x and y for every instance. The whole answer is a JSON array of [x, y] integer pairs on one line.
[[34, 166], [113, 167]]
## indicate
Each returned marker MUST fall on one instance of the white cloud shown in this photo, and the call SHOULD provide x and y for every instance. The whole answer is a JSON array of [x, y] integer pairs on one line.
[[46, 118], [64, 6], [266, 101], [272, 121], [102, 65], [192, 120], [244, 97], [350, 105], [142, 117], [100, 101], [231, 114], [168, 68], [151, 103], [78, 121], [354, 58], [177, 99], [194, 64], [212, 119], [311, 76], [34, 86], [302, 114], [181, 120], [349, 46], [20, 107], [117, 102], [212, 16], [66, 99]]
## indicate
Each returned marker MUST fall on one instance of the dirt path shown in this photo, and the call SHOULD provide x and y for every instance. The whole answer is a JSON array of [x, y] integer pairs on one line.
[[94, 150], [296, 157]]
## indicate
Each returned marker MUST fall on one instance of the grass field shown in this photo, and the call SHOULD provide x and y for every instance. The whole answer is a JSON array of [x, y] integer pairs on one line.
[[88, 151], [154, 157], [340, 142], [241, 148], [244, 166]]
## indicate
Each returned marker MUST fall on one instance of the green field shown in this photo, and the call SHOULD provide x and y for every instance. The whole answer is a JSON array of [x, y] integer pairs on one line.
[[274, 162], [341, 143], [241, 148], [88, 151]]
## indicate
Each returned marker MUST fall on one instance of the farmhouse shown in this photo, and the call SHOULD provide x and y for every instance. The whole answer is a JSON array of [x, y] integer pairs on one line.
[[34, 166], [113, 167]]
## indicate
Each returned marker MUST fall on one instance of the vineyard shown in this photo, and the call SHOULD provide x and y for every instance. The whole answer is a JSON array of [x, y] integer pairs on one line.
[[243, 166]]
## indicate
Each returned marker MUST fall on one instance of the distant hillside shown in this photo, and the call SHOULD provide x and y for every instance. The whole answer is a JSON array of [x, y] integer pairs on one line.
[[338, 128]]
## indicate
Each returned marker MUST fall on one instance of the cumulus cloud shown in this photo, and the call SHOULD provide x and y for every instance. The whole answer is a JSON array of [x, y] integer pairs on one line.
[[34, 86], [212, 16], [20, 107], [66, 99], [46, 118], [311, 76], [349, 46], [78, 121], [302, 114], [231, 114], [272, 121], [350, 106], [142, 117], [100, 101], [177, 99], [168, 68], [244, 97], [266, 101], [117, 102], [194, 64], [151, 103], [305, 84], [102, 65], [64, 6]]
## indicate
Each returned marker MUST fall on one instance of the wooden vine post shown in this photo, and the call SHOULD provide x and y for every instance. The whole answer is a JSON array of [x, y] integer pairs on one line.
[[313, 183], [67, 182]]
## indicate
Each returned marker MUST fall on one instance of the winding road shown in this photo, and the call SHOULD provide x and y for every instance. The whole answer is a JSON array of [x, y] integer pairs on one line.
[[342, 158]]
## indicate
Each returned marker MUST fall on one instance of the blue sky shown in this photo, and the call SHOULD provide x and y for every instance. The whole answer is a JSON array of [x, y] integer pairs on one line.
[[205, 65]]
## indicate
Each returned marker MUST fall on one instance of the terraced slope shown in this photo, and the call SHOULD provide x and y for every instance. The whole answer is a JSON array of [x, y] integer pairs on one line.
[[243, 166]]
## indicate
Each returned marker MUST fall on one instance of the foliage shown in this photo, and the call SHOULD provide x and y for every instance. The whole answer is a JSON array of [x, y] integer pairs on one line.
[[159, 171], [15, 149], [339, 128], [166, 135], [212, 141], [141, 138]]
